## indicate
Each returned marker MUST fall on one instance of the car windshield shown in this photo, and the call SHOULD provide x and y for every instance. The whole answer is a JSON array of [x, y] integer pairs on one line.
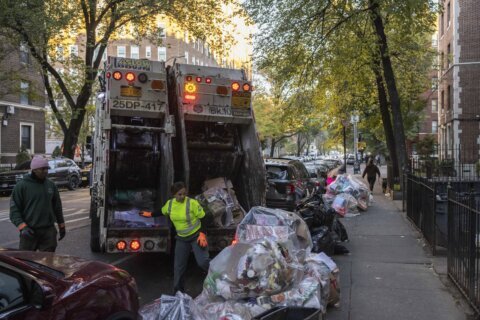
[[277, 173]]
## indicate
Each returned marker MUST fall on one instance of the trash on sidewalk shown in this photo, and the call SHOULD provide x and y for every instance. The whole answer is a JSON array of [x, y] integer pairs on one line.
[[178, 307], [351, 185], [290, 313]]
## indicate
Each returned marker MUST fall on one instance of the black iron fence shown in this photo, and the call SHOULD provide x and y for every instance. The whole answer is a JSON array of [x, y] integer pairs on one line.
[[420, 204], [463, 257]]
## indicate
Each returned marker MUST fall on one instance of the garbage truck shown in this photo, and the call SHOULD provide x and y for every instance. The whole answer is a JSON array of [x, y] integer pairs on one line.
[[132, 163], [216, 137], [156, 125]]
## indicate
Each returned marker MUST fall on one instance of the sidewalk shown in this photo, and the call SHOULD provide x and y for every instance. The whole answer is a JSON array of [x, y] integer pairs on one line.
[[388, 274]]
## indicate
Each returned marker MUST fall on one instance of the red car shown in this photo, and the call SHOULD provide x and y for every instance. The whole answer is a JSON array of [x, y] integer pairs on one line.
[[40, 285]]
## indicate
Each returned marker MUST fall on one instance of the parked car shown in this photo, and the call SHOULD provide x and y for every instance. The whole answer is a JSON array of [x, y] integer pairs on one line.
[[63, 172], [288, 182], [350, 159], [41, 285]]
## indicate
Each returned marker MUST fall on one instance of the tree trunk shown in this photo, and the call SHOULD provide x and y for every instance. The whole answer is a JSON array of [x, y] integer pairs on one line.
[[389, 77], [387, 123]]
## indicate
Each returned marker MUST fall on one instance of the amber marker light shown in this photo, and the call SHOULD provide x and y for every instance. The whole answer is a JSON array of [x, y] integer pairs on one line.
[[117, 75], [130, 76], [246, 87], [235, 86]]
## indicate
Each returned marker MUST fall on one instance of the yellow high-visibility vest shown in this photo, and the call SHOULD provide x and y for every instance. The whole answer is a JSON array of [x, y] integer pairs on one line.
[[185, 215]]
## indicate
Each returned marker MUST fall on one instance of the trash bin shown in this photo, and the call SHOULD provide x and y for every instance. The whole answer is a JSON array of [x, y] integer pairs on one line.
[[290, 313]]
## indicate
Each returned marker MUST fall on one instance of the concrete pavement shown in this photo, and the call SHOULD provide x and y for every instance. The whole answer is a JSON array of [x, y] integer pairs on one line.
[[389, 273]]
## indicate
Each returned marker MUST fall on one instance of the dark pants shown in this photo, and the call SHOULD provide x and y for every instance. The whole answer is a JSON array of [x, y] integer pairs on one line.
[[371, 181], [182, 253], [45, 239]]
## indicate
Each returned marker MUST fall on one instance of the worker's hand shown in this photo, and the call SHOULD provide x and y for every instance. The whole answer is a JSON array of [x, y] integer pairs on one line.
[[147, 214], [27, 232], [61, 231], [202, 240]]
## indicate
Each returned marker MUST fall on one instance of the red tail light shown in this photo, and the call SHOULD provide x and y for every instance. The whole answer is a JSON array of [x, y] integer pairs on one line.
[[198, 79], [121, 245], [208, 80], [190, 97], [291, 189], [130, 76], [135, 245]]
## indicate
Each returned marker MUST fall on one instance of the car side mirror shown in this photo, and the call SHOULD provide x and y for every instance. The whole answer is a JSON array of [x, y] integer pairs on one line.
[[42, 295]]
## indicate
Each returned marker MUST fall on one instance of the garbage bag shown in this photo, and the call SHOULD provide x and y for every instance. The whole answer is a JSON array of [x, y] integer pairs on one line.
[[323, 241], [324, 269], [262, 267], [283, 226], [178, 307], [344, 203], [339, 229]]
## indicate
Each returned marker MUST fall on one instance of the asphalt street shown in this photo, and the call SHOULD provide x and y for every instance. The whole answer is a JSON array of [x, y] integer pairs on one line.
[[153, 272]]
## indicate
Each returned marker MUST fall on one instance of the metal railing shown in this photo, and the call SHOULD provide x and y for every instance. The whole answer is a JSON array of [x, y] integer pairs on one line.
[[463, 257], [421, 207]]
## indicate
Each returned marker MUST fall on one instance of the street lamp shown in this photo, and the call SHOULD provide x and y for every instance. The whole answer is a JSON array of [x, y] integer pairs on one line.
[[345, 124]]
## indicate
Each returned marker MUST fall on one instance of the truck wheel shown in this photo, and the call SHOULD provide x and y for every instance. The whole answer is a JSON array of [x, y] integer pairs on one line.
[[94, 229], [73, 183]]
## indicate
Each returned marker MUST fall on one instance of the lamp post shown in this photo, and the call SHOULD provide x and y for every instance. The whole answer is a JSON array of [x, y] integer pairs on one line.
[[345, 124]]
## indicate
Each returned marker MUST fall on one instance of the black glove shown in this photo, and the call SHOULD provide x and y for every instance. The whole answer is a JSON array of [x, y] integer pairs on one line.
[[27, 233], [62, 232]]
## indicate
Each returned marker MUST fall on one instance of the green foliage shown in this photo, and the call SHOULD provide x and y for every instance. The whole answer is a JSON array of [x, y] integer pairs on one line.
[[57, 152], [426, 146], [22, 156]]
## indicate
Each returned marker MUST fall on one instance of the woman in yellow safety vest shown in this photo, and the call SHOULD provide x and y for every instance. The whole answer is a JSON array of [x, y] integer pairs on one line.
[[185, 214]]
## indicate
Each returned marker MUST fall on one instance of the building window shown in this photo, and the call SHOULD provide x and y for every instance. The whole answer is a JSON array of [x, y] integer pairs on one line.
[[186, 56], [162, 53], [441, 24], [24, 54], [162, 30], [26, 136], [434, 83], [449, 53], [442, 101], [434, 41], [449, 97], [193, 60], [442, 61], [434, 126], [73, 51], [448, 15], [121, 52], [148, 52], [434, 106], [24, 92], [134, 52]]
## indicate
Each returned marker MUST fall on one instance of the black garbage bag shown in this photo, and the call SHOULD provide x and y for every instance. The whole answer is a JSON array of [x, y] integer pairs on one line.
[[340, 249], [324, 217], [322, 241], [339, 229]]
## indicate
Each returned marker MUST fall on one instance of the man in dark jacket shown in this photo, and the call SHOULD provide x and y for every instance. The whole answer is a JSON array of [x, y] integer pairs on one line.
[[371, 171], [35, 206]]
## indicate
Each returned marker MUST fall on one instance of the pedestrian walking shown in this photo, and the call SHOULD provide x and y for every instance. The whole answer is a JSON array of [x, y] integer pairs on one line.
[[185, 214], [35, 207], [371, 170]]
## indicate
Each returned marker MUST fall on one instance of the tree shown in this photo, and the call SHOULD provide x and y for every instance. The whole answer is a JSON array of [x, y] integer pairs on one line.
[[47, 26], [345, 51], [22, 155]]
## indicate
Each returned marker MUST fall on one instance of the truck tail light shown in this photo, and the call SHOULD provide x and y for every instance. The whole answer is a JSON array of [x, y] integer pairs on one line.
[[130, 76], [149, 245], [142, 77], [246, 87], [208, 80], [188, 78], [235, 86], [121, 245], [135, 245], [190, 97], [117, 75], [198, 79]]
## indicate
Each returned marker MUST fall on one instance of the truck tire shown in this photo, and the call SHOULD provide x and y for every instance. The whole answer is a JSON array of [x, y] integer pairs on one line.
[[94, 229]]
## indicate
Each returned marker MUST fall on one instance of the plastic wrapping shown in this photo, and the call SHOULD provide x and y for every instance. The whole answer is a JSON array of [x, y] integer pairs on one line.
[[263, 267], [344, 203], [348, 184], [220, 203], [283, 226], [178, 307]]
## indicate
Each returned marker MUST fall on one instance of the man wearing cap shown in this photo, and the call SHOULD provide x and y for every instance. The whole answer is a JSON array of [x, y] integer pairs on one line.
[[35, 206]]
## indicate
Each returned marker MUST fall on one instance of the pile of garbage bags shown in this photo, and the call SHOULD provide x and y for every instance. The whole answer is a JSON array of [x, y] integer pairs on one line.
[[220, 203], [347, 194]]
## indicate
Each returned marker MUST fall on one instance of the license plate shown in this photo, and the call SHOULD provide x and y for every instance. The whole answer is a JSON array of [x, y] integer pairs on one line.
[[222, 111], [130, 91], [241, 99], [137, 105]]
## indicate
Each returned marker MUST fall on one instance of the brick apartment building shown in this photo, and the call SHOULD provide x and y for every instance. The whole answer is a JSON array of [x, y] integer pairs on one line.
[[459, 81], [22, 104]]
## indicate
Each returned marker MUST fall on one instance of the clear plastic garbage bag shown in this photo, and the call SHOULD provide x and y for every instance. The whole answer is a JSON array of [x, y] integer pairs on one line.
[[178, 307]]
